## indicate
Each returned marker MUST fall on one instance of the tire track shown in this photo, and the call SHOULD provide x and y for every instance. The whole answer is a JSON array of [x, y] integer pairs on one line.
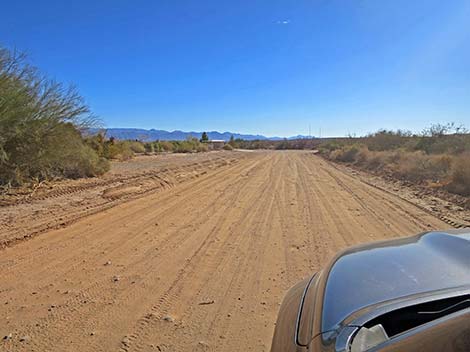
[[234, 239], [137, 340], [92, 293]]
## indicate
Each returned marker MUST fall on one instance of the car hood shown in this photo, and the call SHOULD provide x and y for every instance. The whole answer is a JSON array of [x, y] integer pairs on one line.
[[380, 272]]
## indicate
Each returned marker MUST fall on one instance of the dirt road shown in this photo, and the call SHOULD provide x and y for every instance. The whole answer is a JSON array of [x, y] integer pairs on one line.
[[201, 266]]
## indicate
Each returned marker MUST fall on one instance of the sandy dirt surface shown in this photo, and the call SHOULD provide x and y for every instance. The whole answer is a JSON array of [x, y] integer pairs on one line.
[[201, 265], [24, 215], [450, 208]]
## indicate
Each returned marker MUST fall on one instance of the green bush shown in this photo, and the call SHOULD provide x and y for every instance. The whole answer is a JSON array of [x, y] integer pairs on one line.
[[227, 147], [191, 145], [136, 147], [40, 124], [184, 147], [74, 161], [149, 148], [84, 162], [167, 146], [120, 150]]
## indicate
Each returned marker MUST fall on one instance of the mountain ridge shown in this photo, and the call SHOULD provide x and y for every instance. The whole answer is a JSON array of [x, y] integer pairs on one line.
[[145, 135]]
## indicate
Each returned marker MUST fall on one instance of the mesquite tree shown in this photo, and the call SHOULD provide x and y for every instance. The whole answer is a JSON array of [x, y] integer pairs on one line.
[[40, 124]]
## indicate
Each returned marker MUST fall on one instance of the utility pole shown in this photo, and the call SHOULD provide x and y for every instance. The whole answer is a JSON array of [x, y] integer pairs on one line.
[[309, 132]]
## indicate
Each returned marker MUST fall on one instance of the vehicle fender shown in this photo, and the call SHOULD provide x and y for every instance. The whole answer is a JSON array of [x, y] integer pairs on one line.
[[284, 339]]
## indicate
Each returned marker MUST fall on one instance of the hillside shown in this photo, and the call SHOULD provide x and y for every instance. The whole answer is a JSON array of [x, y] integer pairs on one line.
[[162, 135]]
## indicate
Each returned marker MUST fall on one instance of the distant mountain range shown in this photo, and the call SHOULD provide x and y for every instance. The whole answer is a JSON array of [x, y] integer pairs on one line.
[[153, 135]]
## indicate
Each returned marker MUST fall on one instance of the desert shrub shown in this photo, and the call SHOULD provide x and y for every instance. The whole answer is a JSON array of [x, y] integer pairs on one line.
[[149, 148], [202, 147], [387, 140], [97, 142], [119, 150], [396, 156], [284, 144], [256, 144], [418, 167], [439, 157], [412, 166], [135, 146], [183, 147], [125, 154], [83, 162], [74, 161], [327, 147], [227, 147], [167, 146], [450, 144], [191, 145], [375, 161], [347, 154], [444, 138], [363, 156], [40, 124], [460, 177], [157, 147]]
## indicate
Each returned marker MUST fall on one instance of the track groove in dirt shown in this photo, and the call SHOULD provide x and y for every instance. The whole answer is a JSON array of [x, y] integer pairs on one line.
[[23, 217], [198, 266]]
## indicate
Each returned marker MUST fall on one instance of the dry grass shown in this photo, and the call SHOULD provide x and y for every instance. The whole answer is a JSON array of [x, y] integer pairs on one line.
[[419, 167], [451, 172], [460, 182]]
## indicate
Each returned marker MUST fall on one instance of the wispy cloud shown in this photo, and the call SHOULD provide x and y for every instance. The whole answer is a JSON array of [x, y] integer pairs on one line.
[[283, 22]]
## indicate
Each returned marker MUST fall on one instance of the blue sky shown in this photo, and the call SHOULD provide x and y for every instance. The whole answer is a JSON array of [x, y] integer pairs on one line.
[[254, 66]]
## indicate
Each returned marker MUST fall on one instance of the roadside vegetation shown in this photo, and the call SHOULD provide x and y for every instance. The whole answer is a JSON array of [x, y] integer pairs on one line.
[[284, 144], [44, 130], [40, 126], [439, 157], [113, 149], [44, 134]]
